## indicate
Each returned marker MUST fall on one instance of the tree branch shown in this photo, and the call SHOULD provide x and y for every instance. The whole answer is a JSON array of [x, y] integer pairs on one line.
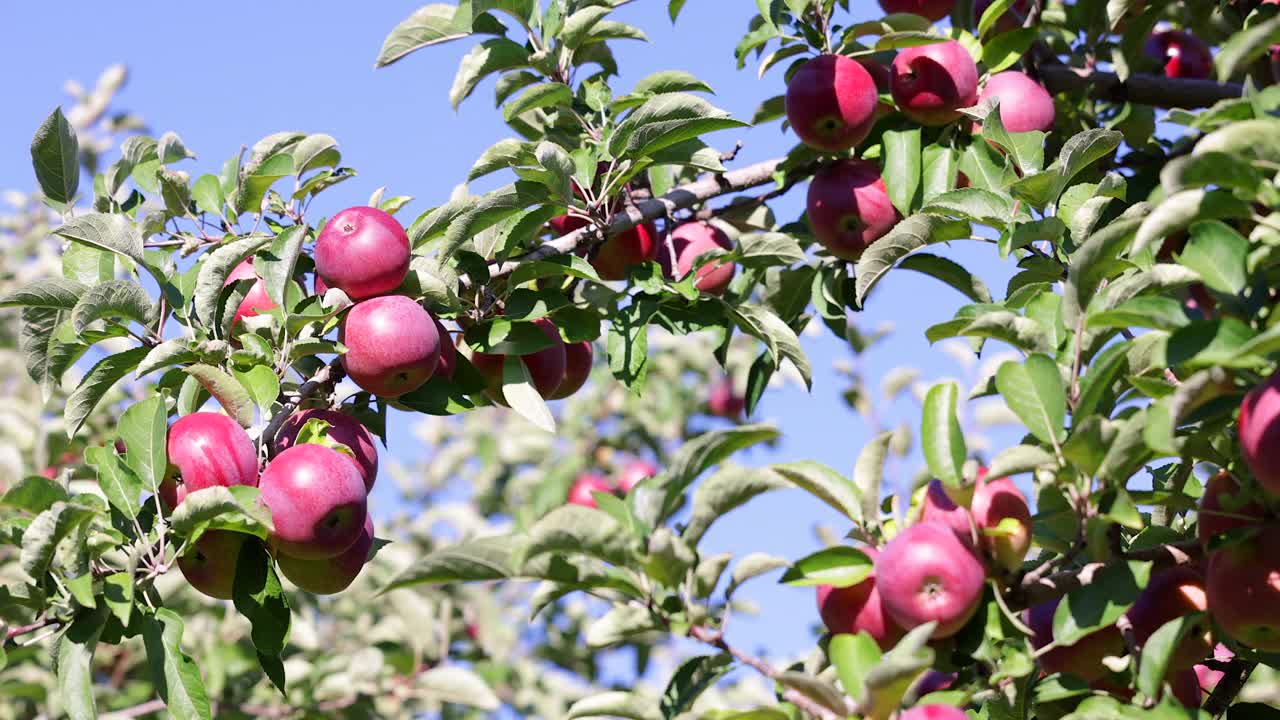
[[1233, 679], [327, 376], [14, 632], [1155, 90]]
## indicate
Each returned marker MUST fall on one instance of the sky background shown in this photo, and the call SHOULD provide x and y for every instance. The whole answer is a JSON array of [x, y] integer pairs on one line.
[[226, 74]]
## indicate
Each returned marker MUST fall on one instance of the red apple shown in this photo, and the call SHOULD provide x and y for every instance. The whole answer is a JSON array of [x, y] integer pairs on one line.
[[210, 565], [858, 608], [1186, 688], [933, 712], [1244, 590], [691, 240], [256, 301], [617, 254], [546, 367], [849, 208], [1084, 658], [363, 251], [317, 286], [926, 574], [995, 501], [577, 368], [831, 103], [207, 449], [1170, 595], [634, 472], [932, 82], [342, 429], [330, 575], [1024, 104], [317, 501], [392, 345], [938, 507], [1260, 433], [1225, 507], [583, 489], [1181, 54], [724, 400], [931, 9]]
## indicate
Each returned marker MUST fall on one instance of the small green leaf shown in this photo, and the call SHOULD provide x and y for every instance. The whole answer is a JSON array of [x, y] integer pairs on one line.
[[100, 379], [55, 155], [941, 436], [902, 168], [838, 566], [228, 391], [175, 675], [74, 663]]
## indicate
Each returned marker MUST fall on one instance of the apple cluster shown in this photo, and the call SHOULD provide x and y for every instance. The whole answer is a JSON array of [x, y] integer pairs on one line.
[[935, 570], [585, 486], [315, 487]]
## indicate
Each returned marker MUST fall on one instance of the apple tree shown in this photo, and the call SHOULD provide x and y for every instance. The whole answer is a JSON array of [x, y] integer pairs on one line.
[[585, 345]]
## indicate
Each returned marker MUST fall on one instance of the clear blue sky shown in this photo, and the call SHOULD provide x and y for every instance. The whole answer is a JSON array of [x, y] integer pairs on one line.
[[225, 74]]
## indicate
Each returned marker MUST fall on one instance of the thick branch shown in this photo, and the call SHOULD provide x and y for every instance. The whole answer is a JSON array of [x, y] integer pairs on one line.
[[1155, 90], [1033, 590]]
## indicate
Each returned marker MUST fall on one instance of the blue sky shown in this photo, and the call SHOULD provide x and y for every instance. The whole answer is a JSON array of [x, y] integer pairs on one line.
[[226, 74]]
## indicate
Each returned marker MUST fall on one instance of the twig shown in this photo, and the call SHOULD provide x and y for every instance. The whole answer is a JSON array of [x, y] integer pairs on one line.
[[716, 639], [326, 376], [14, 632], [146, 708], [1233, 679]]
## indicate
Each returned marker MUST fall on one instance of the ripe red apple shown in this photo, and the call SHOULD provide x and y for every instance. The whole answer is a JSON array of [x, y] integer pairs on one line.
[[1186, 688], [256, 301], [330, 575], [565, 224], [691, 240], [392, 345], [342, 429], [317, 286], [1170, 595], [831, 103], [931, 9], [618, 253], [1024, 104], [577, 368], [849, 208], [581, 492], [858, 608], [210, 565], [1207, 677], [317, 501], [995, 501], [926, 574], [938, 507], [724, 400], [546, 367], [1084, 658], [448, 352], [207, 449], [633, 473], [362, 251], [932, 82], [1180, 53], [1244, 590], [933, 712], [1224, 507], [1260, 433]]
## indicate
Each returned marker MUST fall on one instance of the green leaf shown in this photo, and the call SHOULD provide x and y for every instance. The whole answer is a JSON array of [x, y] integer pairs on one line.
[[87, 265], [1082, 150], [73, 662], [767, 249], [868, 475], [1183, 208], [1239, 51], [208, 196], [144, 429], [228, 391], [54, 293], [1034, 393], [782, 342], [694, 676], [615, 704], [42, 536], [117, 299], [501, 155], [729, 488], [949, 272], [519, 392], [941, 166], [34, 494], [478, 559], [827, 485], [542, 95], [258, 180], [120, 484], [117, 591], [709, 449], [276, 265], [428, 25], [457, 685], [1158, 651], [215, 266], [669, 81], [169, 352], [1100, 603], [854, 656], [259, 596], [910, 234], [262, 384], [483, 60], [941, 436], [579, 24], [902, 168], [175, 675], [1002, 51], [627, 345], [96, 383], [971, 203], [55, 155], [1217, 253], [234, 509], [574, 529], [666, 120], [108, 232], [838, 566], [1020, 459]]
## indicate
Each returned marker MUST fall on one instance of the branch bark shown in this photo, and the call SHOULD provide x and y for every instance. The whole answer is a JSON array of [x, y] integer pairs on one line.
[[1155, 90], [1233, 679], [327, 376]]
